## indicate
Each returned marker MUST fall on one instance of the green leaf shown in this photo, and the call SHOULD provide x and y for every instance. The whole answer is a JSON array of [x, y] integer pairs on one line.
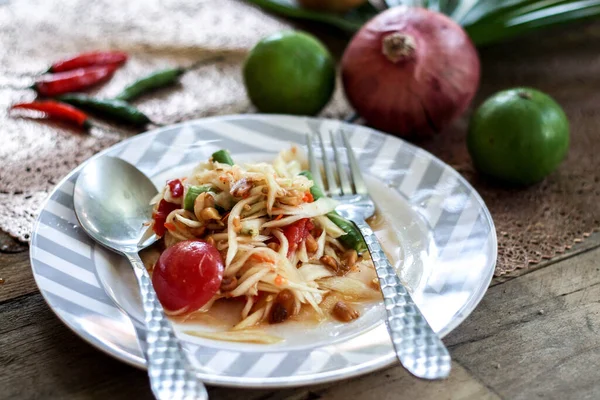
[[448, 7], [486, 21], [444, 6], [350, 22], [484, 9], [395, 3], [530, 16]]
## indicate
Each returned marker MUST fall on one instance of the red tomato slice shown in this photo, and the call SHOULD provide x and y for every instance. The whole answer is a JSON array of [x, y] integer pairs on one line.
[[187, 275], [161, 214], [176, 187], [296, 233]]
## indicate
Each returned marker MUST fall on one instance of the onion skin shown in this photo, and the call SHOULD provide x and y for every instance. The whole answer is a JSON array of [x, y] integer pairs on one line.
[[410, 71]]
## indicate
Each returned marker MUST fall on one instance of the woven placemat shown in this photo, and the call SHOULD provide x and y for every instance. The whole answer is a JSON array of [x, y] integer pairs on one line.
[[36, 155], [547, 219], [532, 224]]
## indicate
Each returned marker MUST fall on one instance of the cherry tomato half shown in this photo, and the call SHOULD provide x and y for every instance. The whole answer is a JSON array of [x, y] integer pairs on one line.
[[187, 275]]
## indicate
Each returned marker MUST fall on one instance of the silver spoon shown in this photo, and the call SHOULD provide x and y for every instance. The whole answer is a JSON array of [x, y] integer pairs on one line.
[[112, 203]]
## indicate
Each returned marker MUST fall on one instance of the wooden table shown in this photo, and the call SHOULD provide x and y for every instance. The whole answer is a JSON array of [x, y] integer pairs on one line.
[[533, 336], [536, 336]]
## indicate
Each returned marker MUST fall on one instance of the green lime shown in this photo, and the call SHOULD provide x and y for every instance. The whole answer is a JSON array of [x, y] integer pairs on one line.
[[518, 136], [289, 73]]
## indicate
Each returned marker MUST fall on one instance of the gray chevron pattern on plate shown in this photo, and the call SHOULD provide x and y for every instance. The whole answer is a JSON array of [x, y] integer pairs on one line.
[[455, 251]]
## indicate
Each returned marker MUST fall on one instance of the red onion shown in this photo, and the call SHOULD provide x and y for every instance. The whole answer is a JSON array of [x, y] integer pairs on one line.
[[410, 71]]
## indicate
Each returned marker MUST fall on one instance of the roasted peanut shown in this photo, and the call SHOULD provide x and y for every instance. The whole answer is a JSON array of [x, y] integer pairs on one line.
[[286, 297], [273, 246], [228, 283], [210, 213], [343, 312], [375, 283], [278, 314], [283, 308], [202, 201], [350, 257], [311, 244], [330, 263], [209, 200]]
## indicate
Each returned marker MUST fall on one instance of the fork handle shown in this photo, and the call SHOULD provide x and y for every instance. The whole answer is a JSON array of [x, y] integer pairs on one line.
[[171, 376], [417, 346]]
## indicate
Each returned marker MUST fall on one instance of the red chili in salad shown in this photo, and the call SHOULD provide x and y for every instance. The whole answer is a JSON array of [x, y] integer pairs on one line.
[[89, 59], [73, 81], [297, 232], [57, 111], [161, 214], [176, 188]]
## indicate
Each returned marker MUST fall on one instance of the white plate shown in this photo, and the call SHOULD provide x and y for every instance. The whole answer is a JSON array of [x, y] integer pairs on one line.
[[439, 231]]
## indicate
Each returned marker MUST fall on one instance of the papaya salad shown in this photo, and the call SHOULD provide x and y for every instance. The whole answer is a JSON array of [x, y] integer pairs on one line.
[[261, 235]]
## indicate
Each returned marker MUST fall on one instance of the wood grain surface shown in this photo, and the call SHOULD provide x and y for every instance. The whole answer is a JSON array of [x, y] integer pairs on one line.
[[536, 336]]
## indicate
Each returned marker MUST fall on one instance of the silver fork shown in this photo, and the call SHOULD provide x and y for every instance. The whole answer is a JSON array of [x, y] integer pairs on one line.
[[417, 346]]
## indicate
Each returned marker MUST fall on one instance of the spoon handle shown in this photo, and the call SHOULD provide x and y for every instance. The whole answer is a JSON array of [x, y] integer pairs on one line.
[[171, 375]]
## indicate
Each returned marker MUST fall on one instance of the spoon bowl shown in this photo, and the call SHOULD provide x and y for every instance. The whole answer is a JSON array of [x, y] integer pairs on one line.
[[112, 203]]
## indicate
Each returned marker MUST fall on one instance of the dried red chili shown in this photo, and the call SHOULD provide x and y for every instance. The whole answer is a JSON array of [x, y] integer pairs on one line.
[[73, 81], [160, 216], [176, 188], [89, 59], [58, 111]]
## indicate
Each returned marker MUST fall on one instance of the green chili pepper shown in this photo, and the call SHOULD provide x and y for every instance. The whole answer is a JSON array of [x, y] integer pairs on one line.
[[223, 157], [352, 239], [115, 109], [192, 193], [151, 82]]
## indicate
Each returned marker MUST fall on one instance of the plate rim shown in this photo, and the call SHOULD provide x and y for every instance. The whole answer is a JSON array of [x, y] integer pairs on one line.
[[279, 382]]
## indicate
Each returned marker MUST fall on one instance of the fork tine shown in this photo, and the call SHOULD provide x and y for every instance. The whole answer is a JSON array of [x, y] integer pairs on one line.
[[345, 184], [359, 183], [312, 163], [332, 187]]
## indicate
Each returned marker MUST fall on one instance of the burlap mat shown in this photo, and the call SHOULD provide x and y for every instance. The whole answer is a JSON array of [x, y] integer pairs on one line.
[[532, 224]]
